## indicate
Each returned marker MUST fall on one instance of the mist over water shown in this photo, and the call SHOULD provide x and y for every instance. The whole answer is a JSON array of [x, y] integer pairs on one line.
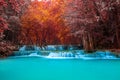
[[35, 68]]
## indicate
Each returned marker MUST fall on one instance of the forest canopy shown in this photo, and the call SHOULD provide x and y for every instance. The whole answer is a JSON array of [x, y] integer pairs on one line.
[[95, 24]]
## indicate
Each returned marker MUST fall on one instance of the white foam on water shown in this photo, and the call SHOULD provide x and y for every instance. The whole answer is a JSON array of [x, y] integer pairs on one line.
[[49, 57], [83, 58], [33, 54]]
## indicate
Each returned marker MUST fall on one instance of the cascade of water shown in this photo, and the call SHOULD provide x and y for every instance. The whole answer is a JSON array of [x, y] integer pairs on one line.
[[28, 50], [22, 48], [51, 47], [34, 54], [63, 51], [63, 47], [61, 54]]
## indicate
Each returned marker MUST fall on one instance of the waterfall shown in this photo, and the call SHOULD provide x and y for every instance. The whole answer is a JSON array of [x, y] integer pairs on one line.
[[29, 50], [62, 51]]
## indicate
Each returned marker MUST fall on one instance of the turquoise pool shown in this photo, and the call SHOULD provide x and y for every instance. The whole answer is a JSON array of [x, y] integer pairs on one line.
[[34, 68]]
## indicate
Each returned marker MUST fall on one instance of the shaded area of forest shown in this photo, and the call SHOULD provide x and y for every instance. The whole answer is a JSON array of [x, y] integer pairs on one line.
[[95, 24]]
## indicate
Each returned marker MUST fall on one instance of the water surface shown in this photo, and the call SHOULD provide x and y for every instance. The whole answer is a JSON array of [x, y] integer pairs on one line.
[[33, 68]]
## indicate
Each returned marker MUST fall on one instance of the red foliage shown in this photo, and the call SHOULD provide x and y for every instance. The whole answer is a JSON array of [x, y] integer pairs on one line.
[[3, 3], [3, 25], [16, 5], [99, 20], [43, 24], [6, 49], [8, 9]]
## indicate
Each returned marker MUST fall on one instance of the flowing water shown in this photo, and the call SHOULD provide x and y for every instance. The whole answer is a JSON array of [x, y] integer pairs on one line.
[[34, 68]]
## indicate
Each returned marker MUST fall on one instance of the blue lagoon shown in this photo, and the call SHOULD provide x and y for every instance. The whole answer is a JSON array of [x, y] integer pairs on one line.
[[37, 68]]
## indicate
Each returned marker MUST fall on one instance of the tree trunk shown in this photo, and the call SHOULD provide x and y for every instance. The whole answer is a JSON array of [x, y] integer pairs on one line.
[[117, 37], [88, 41]]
